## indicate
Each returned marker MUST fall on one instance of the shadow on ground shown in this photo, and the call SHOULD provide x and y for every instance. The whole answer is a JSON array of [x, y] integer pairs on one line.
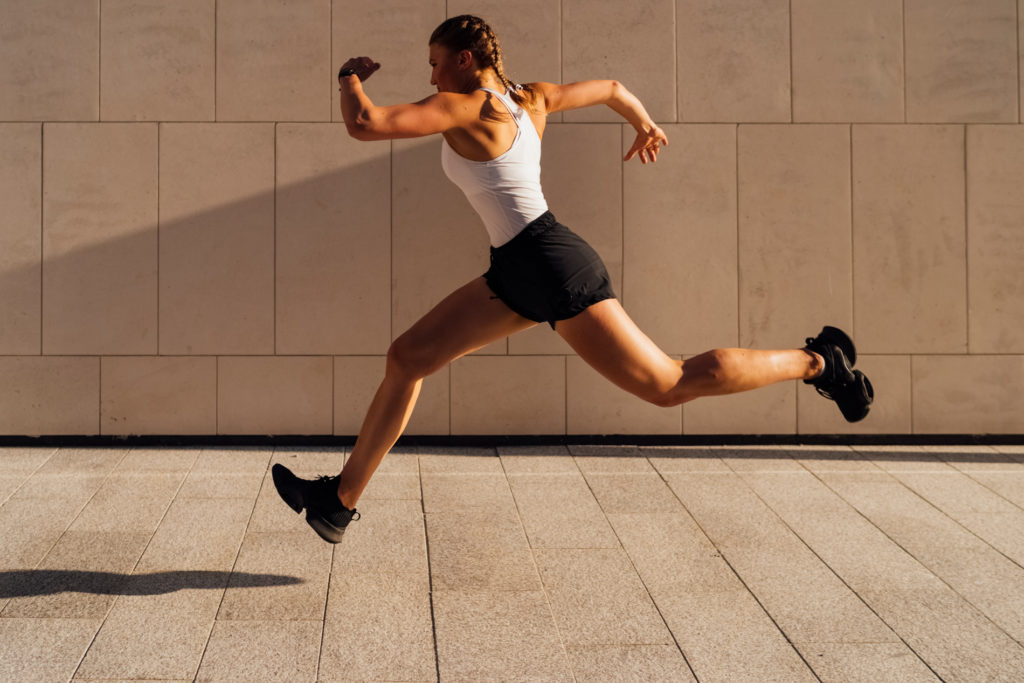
[[32, 582]]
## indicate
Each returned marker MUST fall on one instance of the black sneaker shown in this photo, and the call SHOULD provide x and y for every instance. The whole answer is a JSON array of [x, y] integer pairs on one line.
[[324, 512], [849, 388]]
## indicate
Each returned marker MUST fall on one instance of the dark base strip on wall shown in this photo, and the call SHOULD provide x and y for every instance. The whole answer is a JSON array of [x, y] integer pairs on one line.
[[328, 441]]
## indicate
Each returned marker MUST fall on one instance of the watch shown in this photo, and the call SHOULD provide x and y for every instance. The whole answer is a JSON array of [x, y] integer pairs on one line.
[[347, 72]]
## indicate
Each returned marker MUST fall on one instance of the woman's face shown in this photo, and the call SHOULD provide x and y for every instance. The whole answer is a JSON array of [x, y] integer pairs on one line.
[[445, 74]]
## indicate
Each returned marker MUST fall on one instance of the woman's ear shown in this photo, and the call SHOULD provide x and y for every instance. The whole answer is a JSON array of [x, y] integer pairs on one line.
[[465, 59]]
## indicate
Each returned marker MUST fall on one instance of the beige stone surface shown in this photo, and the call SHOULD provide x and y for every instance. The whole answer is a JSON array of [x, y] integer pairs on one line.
[[157, 60], [890, 411], [430, 215], [598, 599], [399, 46], [680, 233], [51, 56], [333, 242], [390, 536], [99, 238], [279, 395], [508, 395], [847, 61], [158, 395], [995, 247], [356, 380], [265, 50], [733, 61], [378, 626], [59, 395], [198, 534], [727, 636], [909, 239], [864, 661], [43, 649], [20, 239], [479, 550], [967, 394], [794, 218], [559, 511], [960, 61], [596, 406], [216, 239], [599, 40], [482, 635], [282, 650], [129, 503], [530, 32], [629, 662], [769, 410], [623, 493]]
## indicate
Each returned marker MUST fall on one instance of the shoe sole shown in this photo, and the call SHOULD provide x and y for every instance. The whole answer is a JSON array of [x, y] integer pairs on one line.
[[854, 400], [834, 335], [284, 482], [323, 528]]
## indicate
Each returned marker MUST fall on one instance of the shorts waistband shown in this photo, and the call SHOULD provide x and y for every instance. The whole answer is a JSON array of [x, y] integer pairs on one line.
[[538, 225]]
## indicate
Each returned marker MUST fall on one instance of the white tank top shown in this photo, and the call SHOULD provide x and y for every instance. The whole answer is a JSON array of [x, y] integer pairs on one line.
[[506, 190]]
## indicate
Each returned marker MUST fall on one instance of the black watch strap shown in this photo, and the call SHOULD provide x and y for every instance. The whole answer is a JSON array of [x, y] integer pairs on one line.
[[346, 72]]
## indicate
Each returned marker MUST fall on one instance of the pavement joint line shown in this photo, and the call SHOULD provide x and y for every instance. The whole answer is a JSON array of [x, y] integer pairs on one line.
[[725, 559], [430, 572]]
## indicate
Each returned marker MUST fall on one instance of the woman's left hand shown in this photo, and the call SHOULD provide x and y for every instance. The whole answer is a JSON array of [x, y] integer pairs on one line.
[[647, 144]]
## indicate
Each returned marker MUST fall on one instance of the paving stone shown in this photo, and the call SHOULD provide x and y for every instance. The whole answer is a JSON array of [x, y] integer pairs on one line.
[[467, 491], [43, 649], [83, 460], [966, 563], [310, 462], [537, 460], [485, 635], [955, 639], [378, 627], [672, 555], [25, 460], [158, 629], [865, 662], [559, 511], [728, 637], [1005, 483], [270, 513], [629, 663], [668, 460], [202, 484], [389, 486], [598, 599], [78, 579], [629, 492], [456, 460], [233, 459], [149, 460], [301, 559], [390, 536], [610, 461], [29, 528], [262, 650], [129, 503], [198, 534], [75, 487], [9, 483], [479, 550]]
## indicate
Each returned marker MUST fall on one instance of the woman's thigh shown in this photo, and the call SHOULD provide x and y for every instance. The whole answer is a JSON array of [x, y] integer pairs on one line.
[[469, 318], [607, 339]]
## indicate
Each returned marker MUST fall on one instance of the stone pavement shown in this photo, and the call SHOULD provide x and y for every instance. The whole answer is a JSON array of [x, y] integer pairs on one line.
[[546, 563]]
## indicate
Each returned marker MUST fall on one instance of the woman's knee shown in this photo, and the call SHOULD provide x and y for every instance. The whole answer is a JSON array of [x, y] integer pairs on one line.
[[411, 359]]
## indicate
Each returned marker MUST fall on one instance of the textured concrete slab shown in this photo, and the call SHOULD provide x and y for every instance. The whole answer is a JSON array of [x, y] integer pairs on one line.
[[79, 578], [629, 663], [378, 627], [130, 503], [389, 486], [233, 459], [466, 491], [728, 637], [310, 462], [198, 534], [865, 662], [671, 459], [628, 492], [390, 536], [597, 598], [302, 558], [76, 487], [484, 635], [150, 460], [479, 550], [559, 511], [205, 484], [537, 460], [83, 460], [262, 650], [25, 460], [43, 649]]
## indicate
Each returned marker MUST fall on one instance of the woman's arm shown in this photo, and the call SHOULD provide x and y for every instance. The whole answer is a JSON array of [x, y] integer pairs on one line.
[[612, 93], [366, 121]]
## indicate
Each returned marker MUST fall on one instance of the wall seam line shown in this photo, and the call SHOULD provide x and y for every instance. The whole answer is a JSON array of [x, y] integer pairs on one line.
[[967, 253], [42, 223], [99, 63], [792, 118], [903, 25]]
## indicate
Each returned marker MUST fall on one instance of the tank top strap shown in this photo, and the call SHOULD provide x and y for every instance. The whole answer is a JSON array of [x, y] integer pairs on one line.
[[514, 109]]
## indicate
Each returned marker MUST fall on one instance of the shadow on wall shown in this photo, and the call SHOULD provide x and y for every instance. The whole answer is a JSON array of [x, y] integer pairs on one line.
[[33, 582], [305, 268]]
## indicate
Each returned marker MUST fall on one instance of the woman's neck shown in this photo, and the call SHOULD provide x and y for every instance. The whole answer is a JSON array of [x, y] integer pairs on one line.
[[483, 79]]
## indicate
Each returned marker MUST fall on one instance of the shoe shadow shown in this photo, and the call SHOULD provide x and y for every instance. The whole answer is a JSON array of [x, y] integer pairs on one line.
[[33, 582]]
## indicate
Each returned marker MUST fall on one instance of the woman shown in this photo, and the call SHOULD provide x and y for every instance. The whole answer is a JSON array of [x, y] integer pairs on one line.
[[540, 271]]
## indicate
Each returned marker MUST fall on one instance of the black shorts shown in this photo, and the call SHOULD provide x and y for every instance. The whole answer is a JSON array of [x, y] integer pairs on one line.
[[547, 272]]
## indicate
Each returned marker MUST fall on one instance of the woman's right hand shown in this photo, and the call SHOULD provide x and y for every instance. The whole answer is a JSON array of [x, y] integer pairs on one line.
[[647, 144], [363, 66]]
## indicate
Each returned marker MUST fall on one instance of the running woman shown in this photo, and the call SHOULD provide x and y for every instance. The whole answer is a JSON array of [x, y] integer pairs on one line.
[[540, 270]]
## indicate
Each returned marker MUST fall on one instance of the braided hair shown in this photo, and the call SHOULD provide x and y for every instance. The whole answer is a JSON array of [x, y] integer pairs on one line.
[[466, 32]]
